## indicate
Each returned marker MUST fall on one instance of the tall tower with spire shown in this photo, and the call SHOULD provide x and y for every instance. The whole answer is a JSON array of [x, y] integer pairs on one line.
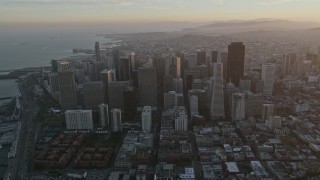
[[217, 98]]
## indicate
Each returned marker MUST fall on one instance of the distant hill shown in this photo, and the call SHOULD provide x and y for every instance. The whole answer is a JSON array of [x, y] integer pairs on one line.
[[227, 27]]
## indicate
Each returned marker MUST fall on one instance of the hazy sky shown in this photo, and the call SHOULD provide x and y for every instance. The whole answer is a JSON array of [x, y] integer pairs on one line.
[[155, 10]]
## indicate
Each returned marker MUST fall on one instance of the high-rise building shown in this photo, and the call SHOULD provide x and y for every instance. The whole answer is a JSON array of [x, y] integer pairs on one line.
[[289, 64], [253, 104], [112, 75], [54, 85], [167, 84], [116, 90], [202, 99], [103, 55], [97, 51], [178, 85], [146, 119], [104, 115], [203, 70], [95, 67], [201, 57], [214, 56], [180, 119], [54, 65], [259, 87], [79, 119], [130, 103], [167, 119], [255, 77], [159, 65], [93, 94], [169, 99], [268, 77], [68, 90], [224, 59], [147, 80], [182, 63], [63, 66], [179, 100], [238, 107], [229, 89], [236, 59], [313, 57], [178, 67], [305, 66], [193, 102], [116, 120], [181, 123], [132, 59], [217, 97], [105, 81], [245, 84], [124, 69], [116, 61], [267, 112], [80, 76], [274, 122], [189, 80], [172, 99]]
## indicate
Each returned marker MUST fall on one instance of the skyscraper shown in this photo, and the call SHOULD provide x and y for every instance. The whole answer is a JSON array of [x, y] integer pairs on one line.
[[116, 120], [178, 67], [104, 115], [169, 99], [181, 119], [238, 107], [236, 57], [147, 80], [202, 99], [54, 65], [178, 85], [54, 85], [116, 90], [130, 103], [229, 89], [245, 84], [104, 79], [63, 65], [268, 77], [116, 61], [132, 58], [289, 64], [217, 98], [201, 57], [97, 51], [172, 99], [146, 118], [93, 94], [214, 56], [160, 66], [125, 69], [68, 90], [224, 60], [181, 123], [267, 111], [95, 68], [193, 102], [182, 63], [253, 104]]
